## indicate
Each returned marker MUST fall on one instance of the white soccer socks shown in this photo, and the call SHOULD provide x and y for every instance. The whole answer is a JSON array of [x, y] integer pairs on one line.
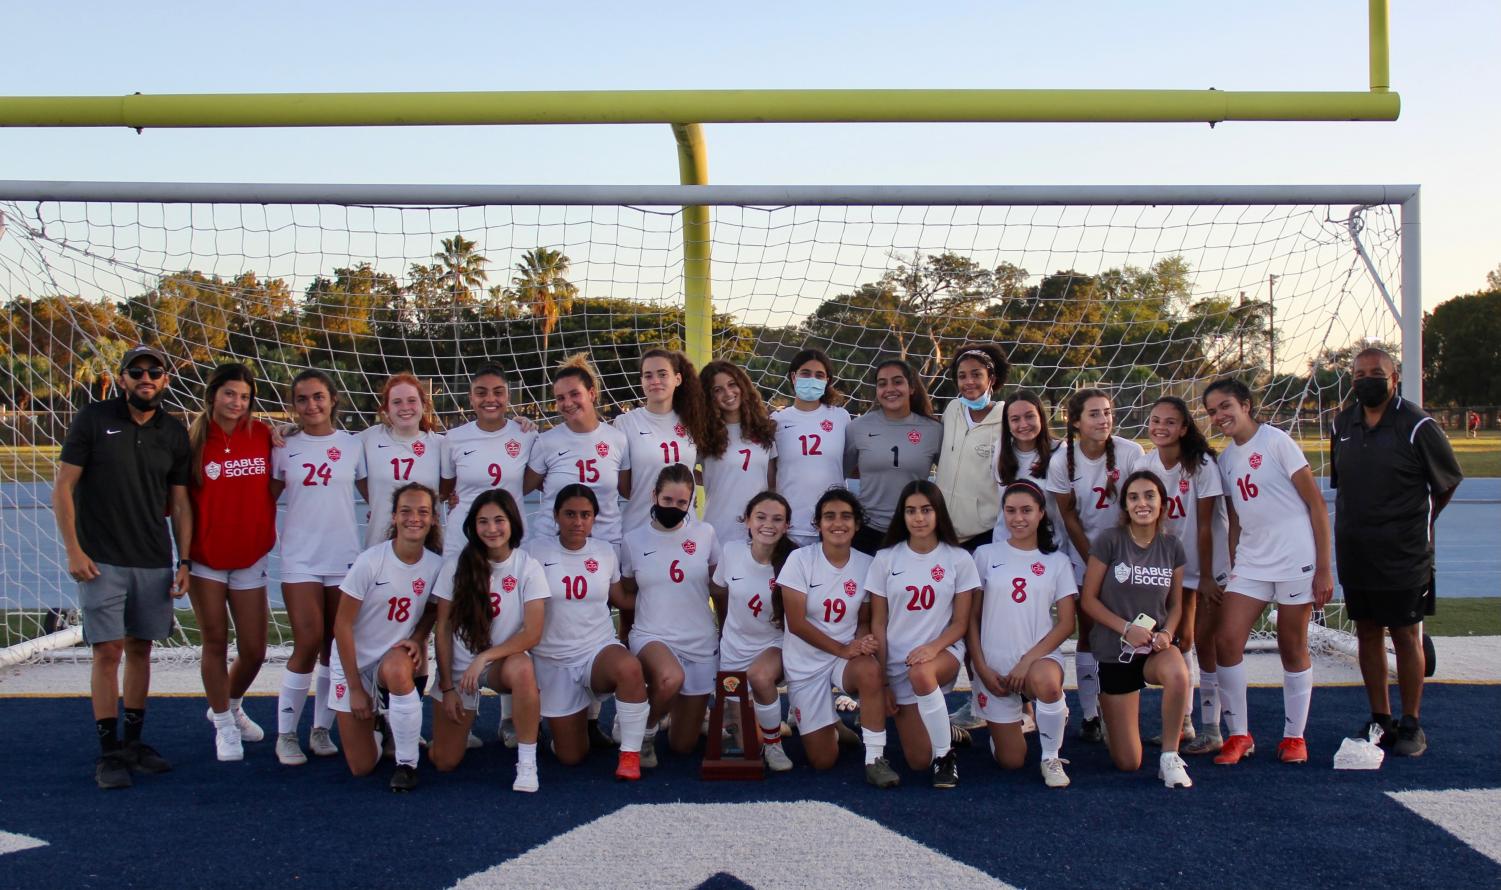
[[1192, 663], [1209, 700], [1232, 683], [1052, 717], [1088, 671], [289, 701], [630, 716], [323, 712], [934, 712], [405, 718], [769, 720], [875, 744], [1297, 694]]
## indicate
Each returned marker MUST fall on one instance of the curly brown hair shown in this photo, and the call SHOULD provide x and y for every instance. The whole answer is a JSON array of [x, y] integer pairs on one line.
[[756, 424]]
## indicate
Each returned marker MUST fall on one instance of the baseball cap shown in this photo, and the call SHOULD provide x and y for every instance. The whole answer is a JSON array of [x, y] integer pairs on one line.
[[140, 351]]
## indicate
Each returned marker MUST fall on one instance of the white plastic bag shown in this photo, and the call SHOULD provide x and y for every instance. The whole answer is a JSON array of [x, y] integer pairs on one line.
[[1360, 753]]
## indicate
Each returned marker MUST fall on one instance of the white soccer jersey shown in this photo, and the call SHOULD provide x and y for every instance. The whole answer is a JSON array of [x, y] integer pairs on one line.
[[578, 612], [1021, 587], [392, 598], [748, 630], [319, 534], [595, 459], [652, 441], [672, 571], [391, 463], [731, 480], [1024, 462], [810, 461], [1097, 509], [513, 584], [919, 590], [834, 600], [478, 461], [1184, 492], [1276, 535]]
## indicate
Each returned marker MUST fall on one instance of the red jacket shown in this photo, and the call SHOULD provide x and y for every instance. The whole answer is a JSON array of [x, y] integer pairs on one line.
[[234, 515]]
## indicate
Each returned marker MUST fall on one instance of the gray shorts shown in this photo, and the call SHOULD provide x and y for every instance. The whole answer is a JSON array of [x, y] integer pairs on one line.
[[126, 602]]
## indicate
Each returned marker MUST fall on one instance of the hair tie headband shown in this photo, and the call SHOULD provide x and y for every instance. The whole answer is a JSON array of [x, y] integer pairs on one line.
[[977, 354]]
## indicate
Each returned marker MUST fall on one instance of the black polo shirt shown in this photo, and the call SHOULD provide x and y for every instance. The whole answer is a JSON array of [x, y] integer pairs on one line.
[[1386, 478], [123, 496]]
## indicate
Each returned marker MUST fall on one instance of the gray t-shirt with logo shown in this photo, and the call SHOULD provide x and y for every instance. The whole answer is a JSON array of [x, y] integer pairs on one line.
[[1137, 580], [888, 454]]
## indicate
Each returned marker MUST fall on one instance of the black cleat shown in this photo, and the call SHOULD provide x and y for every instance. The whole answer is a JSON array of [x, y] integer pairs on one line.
[[598, 741], [142, 758], [405, 778], [1093, 730], [1411, 740], [946, 771], [111, 771]]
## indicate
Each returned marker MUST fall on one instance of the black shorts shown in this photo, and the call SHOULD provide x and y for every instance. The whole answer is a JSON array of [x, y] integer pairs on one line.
[[868, 540], [1123, 679], [978, 541], [1390, 608]]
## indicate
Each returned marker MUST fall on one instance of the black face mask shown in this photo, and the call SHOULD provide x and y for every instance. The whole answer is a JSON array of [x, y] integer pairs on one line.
[[668, 517], [1372, 391], [141, 404]]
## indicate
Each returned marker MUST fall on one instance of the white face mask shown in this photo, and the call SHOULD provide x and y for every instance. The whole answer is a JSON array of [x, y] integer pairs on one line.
[[809, 389]]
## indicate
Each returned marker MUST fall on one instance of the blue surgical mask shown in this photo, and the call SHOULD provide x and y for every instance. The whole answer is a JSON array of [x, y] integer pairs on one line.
[[809, 389], [979, 404]]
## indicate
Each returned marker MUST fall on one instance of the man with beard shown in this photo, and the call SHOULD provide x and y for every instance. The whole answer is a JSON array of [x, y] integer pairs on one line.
[[125, 465]]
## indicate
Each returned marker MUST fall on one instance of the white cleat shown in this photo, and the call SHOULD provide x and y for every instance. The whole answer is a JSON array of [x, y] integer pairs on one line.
[[321, 744], [1052, 773], [776, 759], [289, 750], [526, 778], [227, 745], [473, 742], [507, 733], [1173, 771], [649, 752], [250, 731]]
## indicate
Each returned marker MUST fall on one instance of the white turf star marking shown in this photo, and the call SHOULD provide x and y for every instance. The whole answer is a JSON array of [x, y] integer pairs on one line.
[[1473, 815], [15, 843], [685, 844]]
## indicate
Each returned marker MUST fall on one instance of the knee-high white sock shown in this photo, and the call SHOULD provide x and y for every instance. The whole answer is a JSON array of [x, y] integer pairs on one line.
[[1209, 700], [935, 719], [405, 718], [1088, 671], [875, 744], [323, 712], [1297, 694], [1232, 682], [630, 716], [1052, 717], [769, 719], [289, 701], [1192, 664], [594, 706]]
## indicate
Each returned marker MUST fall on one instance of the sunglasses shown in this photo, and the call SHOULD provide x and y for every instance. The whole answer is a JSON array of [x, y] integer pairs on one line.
[[156, 372]]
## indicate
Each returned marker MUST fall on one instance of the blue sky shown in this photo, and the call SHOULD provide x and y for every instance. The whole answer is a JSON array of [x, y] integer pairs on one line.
[[1443, 65]]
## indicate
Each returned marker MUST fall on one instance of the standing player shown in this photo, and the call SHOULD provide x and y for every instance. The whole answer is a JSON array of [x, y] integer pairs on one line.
[[971, 428], [810, 440], [581, 449], [1013, 637], [1133, 590], [578, 657], [491, 608], [897, 443], [739, 447], [1183, 460], [751, 636], [922, 583], [488, 452], [234, 528], [380, 631], [1086, 483], [317, 468], [828, 639], [665, 568], [1279, 553], [403, 447], [660, 433]]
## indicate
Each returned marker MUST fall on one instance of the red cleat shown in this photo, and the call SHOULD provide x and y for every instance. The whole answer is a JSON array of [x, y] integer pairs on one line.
[[1235, 748], [628, 768], [1292, 751]]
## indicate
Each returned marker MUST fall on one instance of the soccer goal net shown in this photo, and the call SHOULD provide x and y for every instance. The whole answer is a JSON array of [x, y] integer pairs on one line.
[[1142, 291]]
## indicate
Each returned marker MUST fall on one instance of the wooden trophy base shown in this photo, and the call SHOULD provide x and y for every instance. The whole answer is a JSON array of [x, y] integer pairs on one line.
[[748, 765]]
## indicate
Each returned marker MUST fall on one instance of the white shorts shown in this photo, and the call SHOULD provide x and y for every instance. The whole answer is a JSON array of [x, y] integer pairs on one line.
[[566, 688], [900, 684], [235, 579], [470, 702], [339, 698], [811, 701], [309, 577], [698, 676], [1004, 708], [1298, 592], [728, 663]]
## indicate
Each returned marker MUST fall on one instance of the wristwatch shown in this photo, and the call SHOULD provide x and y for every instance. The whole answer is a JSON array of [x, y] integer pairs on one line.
[[184, 563]]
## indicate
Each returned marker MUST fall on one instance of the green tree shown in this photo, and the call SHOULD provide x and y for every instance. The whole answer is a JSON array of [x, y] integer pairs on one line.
[[540, 283], [187, 315], [1462, 350]]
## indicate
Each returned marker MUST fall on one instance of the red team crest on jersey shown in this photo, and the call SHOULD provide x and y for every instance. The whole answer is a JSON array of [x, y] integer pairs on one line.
[[690, 547], [827, 426], [419, 449], [914, 436], [339, 690], [680, 431], [1038, 568], [334, 454], [513, 448], [1255, 460], [1183, 486], [508, 583], [591, 565], [418, 585], [850, 587], [937, 573], [602, 449], [980, 697]]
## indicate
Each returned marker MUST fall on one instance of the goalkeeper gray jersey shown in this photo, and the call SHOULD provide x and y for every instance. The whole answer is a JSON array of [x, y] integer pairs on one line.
[[888, 454]]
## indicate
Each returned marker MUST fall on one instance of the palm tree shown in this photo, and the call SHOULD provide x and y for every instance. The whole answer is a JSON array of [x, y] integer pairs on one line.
[[99, 363], [461, 270], [539, 284]]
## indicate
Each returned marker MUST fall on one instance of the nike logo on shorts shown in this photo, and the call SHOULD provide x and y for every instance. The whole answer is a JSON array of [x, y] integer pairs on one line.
[[470, 451], [648, 553], [733, 578]]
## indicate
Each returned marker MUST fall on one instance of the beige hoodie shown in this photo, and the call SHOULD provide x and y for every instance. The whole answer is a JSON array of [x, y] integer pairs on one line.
[[966, 475]]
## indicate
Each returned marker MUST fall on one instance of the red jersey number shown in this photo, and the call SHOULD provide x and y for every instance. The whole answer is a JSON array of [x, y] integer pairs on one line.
[[317, 474]]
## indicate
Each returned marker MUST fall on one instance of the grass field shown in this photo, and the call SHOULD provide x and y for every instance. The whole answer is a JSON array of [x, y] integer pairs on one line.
[[1467, 617]]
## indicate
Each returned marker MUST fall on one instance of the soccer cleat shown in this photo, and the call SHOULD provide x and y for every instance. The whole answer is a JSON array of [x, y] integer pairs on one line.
[[250, 731], [628, 767], [1186, 734], [1092, 730], [320, 743], [649, 752], [959, 737], [966, 718], [1292, 751], [142, 758], [227, 745], [473, 742], [1235, 748], [1207, 742], [507, 733], [1173, 771], [111, 771], [289, 750], [1052, 773], [597, 738], [775, 757], [405, 778], [526, 778], [946, 771], [1411, 740], [880, 774]]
